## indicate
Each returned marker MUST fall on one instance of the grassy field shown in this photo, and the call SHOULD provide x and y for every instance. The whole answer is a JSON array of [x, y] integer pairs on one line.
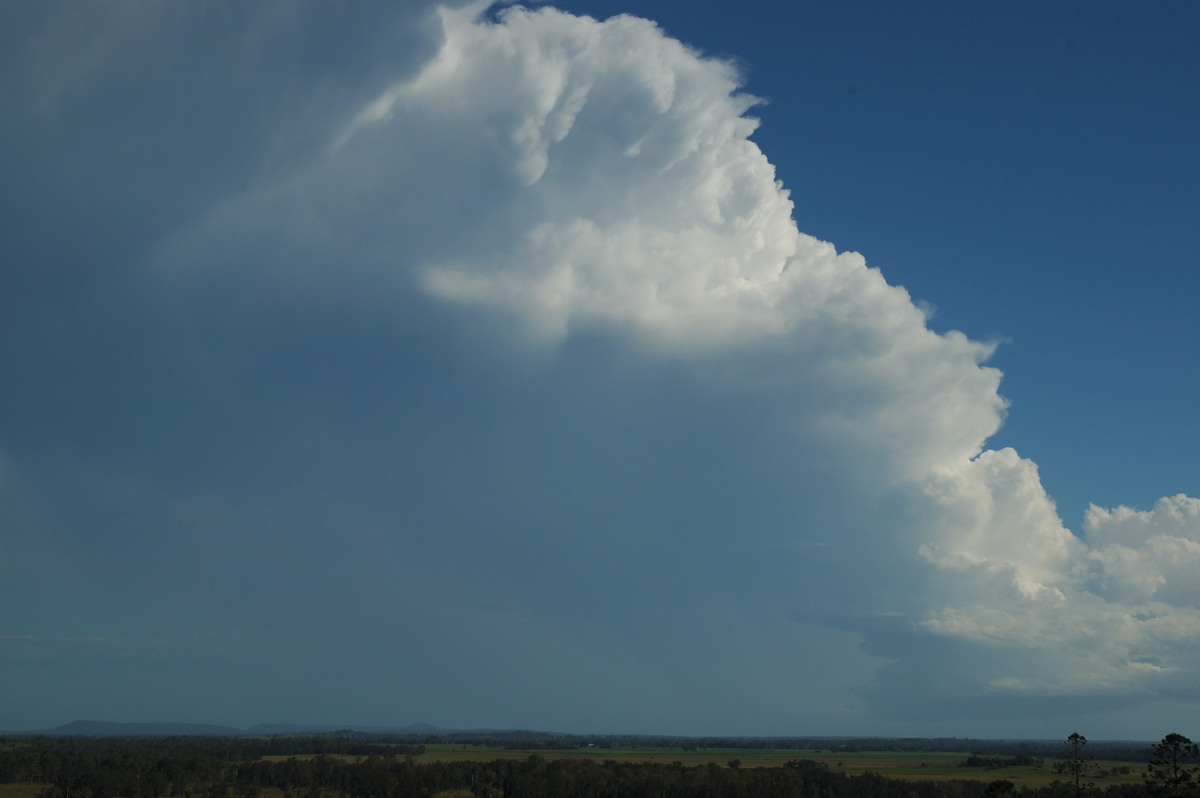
[[932, 766], [929, 766], [24, 789]]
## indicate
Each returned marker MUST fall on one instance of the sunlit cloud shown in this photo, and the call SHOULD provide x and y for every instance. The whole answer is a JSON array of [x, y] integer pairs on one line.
[[532, 341]]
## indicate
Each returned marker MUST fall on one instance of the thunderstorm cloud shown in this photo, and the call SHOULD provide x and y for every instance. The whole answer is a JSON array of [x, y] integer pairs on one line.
[[499, 365]]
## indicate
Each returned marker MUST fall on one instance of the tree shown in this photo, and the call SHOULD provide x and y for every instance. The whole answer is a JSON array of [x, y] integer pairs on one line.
[[1075, 765], [999, 788], [1169, 772]]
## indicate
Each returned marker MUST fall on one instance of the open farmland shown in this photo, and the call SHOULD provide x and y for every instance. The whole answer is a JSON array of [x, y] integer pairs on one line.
[[490, 766], [27, 789], [919, 766]]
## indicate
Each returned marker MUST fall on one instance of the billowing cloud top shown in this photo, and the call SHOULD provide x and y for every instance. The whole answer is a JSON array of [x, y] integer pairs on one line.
[[580, 187]]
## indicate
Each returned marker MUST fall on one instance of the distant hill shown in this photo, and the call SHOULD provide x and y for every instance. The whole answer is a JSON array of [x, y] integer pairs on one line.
[[104, 728]]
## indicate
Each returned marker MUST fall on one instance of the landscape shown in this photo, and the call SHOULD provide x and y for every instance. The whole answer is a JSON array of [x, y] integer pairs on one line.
[[159, 760], [664, 398]]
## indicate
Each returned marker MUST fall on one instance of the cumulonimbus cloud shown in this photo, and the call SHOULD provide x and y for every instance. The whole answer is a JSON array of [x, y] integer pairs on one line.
[[580, 177]]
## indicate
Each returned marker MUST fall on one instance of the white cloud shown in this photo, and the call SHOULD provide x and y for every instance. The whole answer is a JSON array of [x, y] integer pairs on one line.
[[588, 178], [642, 204], [1149, 557], [1097, 617]]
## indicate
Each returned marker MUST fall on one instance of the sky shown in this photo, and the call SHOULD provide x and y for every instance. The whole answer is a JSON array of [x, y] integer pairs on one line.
[[614, 366]]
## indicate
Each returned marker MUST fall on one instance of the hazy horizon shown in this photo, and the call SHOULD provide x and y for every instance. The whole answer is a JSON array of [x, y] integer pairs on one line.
[[105, 728]]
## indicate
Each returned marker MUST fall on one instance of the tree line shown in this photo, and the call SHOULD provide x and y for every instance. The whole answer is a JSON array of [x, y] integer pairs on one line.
[[330, 767]]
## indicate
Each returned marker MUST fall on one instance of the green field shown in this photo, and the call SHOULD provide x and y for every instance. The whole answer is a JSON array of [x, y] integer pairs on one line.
[[929, 766], [923, 766], [23, 789]]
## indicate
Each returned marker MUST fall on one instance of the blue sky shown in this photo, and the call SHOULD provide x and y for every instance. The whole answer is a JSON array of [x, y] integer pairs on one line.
[[374, 364]]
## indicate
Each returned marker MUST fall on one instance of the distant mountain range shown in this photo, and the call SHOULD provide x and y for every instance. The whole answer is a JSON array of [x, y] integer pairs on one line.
[[104, 728]]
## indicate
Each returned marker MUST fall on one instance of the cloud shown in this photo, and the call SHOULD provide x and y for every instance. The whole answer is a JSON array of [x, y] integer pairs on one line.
[[503, 353], [683, 241], [1113, 618]]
